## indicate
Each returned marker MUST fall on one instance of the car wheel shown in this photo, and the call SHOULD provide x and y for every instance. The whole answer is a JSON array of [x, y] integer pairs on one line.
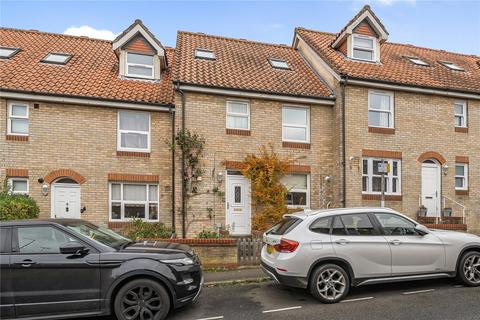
[[469, 269], [143, 299], [329, 283]]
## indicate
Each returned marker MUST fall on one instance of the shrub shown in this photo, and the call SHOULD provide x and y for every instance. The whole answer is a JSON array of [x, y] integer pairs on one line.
[[207, 235], [140, 229], [17, 207]]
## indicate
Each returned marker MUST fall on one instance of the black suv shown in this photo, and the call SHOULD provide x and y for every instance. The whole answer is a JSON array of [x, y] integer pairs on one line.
[[66, 268]]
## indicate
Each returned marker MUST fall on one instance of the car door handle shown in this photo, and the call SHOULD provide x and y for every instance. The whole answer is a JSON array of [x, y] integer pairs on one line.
[[396, 242], [25, 263], [342, 242]]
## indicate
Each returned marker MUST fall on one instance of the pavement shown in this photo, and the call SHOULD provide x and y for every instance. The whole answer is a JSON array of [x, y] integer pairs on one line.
[[245, 274]]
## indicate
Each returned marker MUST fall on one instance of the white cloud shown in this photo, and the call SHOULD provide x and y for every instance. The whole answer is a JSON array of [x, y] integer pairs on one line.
[[90, 32]]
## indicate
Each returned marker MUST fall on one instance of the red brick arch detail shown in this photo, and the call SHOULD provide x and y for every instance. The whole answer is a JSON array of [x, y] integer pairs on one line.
[[432, 155], [64, 173]]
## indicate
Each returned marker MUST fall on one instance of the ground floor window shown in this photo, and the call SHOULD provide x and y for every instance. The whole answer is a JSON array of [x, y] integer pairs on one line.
[[461, 176], [18, 185], [133, 201], [372, 177], [298, 186]]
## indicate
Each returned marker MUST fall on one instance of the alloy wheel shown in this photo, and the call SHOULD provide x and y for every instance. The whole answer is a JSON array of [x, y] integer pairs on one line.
[[331, 284], [141, 303], [471, 269]]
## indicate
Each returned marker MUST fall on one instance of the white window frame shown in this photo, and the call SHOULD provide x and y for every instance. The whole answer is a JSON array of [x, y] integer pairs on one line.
[[463, 115], [308, 190], [11, 117], [64, 62], [392, 107], [128, 64], [14, 52], [286, 124], [12, 180], [235, 114], [373, 50], [418, 61], [464, 177], [120, 131], [388, 176], [123, 202], [199, 56], [281, 64], [451, 66]]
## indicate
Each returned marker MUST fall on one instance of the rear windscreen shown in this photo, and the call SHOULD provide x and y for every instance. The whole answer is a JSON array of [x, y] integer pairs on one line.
[[284, 226]]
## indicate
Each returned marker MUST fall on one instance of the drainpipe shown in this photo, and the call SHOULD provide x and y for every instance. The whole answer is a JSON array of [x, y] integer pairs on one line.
[[172, 114], [344, 143], [184, 182]]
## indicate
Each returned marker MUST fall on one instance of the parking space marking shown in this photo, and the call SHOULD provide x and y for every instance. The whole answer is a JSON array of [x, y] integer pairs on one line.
[[357, 299], [419, 291], [282, 309], [212, 318]]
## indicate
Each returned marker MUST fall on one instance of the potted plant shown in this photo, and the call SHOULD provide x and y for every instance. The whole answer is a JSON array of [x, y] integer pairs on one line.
[[447, 212], [422, 211]]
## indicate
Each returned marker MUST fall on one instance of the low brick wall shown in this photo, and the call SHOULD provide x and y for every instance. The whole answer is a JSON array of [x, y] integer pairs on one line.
[[212, 252]]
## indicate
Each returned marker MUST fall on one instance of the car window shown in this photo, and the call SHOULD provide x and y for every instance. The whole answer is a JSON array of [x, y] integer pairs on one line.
[[284, 226], [41, 239], [5, 245], [396, 225], [321, 225], [358, 225], [338, 228]]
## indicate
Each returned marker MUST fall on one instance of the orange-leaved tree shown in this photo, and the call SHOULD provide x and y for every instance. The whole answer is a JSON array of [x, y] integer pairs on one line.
[[268, 194]]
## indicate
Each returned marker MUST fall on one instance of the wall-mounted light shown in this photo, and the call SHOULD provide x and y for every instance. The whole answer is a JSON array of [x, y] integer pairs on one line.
[[328, 178], [45, 189], [445, 169], [199, 178], [220, 176]]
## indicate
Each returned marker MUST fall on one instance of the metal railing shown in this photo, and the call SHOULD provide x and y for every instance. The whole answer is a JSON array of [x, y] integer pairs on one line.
[[462, 206]]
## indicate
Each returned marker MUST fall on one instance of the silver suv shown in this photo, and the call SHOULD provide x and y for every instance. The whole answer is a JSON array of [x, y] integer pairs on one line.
[[330, 250]]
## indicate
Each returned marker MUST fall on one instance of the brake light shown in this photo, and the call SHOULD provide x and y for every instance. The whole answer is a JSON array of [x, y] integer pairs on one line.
[[286, 246]]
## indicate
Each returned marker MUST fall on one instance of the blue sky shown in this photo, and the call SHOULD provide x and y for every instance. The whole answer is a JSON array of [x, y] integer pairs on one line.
[[448, 25]]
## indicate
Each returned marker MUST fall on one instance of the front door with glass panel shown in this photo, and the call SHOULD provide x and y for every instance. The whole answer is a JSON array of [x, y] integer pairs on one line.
[[66, 200], [238, 208], [431, 188]]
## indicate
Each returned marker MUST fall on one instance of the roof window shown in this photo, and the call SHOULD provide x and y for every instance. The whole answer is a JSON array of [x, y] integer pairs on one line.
[[279, 64], [204, 54], [7, 53], [57, 58], [417, 61], [451, 66]]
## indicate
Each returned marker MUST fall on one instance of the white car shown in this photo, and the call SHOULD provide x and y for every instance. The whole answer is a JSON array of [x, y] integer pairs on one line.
[[329, 251]]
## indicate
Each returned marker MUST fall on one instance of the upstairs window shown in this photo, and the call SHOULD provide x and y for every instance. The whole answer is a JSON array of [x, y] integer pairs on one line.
[[298, 190], [238, 115], [418, 61], [372, 178], [139, 65], [57, 58], [461, 176], [461, 114], [295, 124], [363, 48], [451, 66], [279, 64], [380, 109], [133, 131], [18, 119], [204, 54], [7, 53]]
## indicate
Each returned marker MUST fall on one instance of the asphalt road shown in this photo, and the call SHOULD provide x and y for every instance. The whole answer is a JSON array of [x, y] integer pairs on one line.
[[434, 299]]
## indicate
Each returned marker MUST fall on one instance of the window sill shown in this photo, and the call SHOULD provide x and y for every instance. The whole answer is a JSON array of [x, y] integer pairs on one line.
[[381, 130], [237, 132], [388, 197], [134, 154], [461, 129], [296, 145], [14, 137], [461, 192]]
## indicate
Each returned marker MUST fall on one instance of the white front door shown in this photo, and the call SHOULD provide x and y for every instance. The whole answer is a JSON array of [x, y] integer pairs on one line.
[[238, 207], [65, 200], [431, 188]]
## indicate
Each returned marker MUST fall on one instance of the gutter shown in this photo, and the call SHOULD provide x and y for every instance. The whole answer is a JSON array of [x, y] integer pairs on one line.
[[172, 113], [344, 144], [184, 182]]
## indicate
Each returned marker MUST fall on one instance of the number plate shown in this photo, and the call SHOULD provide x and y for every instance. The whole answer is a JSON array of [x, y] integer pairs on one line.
[[270, 249]]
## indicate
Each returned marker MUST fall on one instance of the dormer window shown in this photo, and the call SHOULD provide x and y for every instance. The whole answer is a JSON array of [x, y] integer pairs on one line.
[[204, 54], [279, 64], [451, 66], [7, 53], [363, 48], [139, 65], [417, 61], [57, 58]]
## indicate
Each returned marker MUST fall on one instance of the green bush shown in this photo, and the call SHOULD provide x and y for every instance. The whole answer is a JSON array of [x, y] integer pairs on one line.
[[16, 207], [207, 235], [140, 229]]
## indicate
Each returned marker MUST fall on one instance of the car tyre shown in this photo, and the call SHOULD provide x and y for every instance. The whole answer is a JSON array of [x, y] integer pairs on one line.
[[329, 283], [469, 269], [142, 299]]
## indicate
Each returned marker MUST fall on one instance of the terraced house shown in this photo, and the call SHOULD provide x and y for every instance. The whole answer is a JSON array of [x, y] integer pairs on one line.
[[86, 124]]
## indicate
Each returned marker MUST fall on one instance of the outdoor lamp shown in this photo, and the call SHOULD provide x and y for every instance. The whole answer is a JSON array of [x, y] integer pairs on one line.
[[45, 189], [220, 176], [445, 169]]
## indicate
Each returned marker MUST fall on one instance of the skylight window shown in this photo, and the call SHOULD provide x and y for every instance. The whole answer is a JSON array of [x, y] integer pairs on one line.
[[279, 64], [6, 53], [204, 54], [418, 61], [451, 66], [57, 58]]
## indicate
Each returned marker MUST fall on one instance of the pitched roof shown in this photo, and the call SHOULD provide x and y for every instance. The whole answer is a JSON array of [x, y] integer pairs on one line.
[[395, 68], [244, 65], [92, 71]]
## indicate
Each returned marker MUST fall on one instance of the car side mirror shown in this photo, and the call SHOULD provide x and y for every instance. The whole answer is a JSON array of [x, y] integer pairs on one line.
[[73, 247], [421, 229]]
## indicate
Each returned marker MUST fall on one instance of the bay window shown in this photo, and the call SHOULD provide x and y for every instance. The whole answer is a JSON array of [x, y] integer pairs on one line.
[[298, 190], [380, 109], [133, 201], [295, 124], [133, 131], [372, 178]]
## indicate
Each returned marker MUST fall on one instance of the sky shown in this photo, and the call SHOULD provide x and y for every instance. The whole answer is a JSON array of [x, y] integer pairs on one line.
[[448, 25]]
